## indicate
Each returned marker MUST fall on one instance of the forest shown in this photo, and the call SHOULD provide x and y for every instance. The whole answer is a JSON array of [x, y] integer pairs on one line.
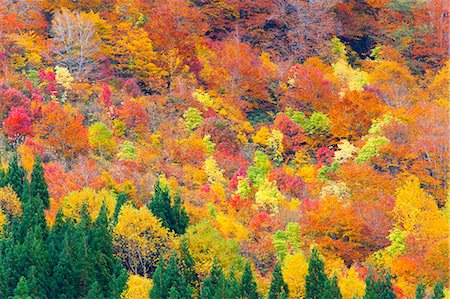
[[217, 149]]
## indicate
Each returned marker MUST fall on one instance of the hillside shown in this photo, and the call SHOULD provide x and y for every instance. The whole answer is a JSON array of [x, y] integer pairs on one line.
[[224, 149]]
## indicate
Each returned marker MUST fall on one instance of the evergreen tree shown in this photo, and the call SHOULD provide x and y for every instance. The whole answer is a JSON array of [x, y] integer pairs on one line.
[[38, 187], [387, 291], [187, 264], [372, 287], [438, 292], [208, 290], [278, 288], [248, 287], [420, 290], [316, 278], [331, 289], [121, 199], [234, 289], [16, 178], [95, 292], [169, 280], [173, 217], [22, 291]]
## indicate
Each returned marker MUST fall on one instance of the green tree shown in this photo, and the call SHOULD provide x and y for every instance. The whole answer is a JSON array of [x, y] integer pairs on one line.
[[22, 291], [208, 290], [438, 292], [420, 290], [278, 287], [16, 177], [173, 217], [168, 281], [316, 278], [38, 187], [331, 289], [249, 284]]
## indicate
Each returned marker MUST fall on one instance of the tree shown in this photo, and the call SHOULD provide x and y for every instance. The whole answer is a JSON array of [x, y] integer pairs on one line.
[[22, 291], [38, 186], [331, 289], [18, 125], [309, 25], [140, 239], [248, 284], [316, 278], [168, 282], [278, 288], [16, 177], [173, 216], [420, 290], [438, 291], [75, 41]]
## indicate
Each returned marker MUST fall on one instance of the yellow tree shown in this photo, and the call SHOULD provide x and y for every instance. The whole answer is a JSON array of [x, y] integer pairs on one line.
[[138, 287], [295, 269], [140, 239], [10, 202]]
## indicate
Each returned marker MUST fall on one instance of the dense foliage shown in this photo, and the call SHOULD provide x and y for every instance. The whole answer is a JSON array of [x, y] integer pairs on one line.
[[224, 149]]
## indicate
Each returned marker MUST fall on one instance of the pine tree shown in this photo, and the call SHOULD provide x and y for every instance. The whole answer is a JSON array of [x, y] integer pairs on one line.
[[173, 217], [387, 291], [187, 264], [38, 187], [95, 292], [331, 289], [22, 291], [248, 284], [316, 278], [208, 290], [372, 287], [16, 177], [420, 290], [278, 288], [160, 282], [121, 199], [233, 288], [438, 292]]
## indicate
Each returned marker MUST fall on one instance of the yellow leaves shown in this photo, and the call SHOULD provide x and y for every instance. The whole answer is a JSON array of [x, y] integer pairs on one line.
[[138, 287], [231, 228], [63, 77], [215, 174], [206, 243], [307, 173], [262, 136], [31, 46], [295, 269], [352, 285], [417, 212], [9, 202], [268, 196], [73, 202], [350, 79], [3, 221], [141, 238], [267, 63]]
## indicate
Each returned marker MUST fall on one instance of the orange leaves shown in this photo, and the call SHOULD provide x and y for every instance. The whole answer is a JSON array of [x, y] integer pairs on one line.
[[61, 130]]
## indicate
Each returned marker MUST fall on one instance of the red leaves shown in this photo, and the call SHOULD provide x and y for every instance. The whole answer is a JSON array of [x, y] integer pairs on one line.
[[18, 124]]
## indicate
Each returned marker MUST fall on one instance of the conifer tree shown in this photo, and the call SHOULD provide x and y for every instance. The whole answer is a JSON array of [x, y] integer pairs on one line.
[[187, 264], [22, 291], [248, 284], [38, 187], [278, 288], [372, 286], [420, 290], [95, 292], [174, 216], [16, 177], [208, 290], [316, 278], [438, 291], [121, 199], [234, 289], [166, 279], [387, 291], [331, 289]]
